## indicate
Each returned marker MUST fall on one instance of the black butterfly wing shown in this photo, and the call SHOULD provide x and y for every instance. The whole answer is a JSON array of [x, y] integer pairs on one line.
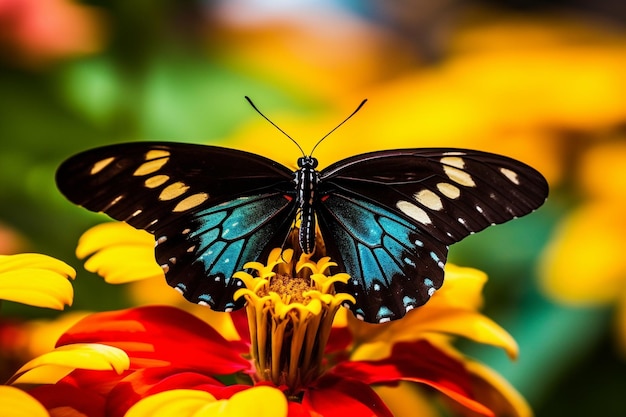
[[211, 209], [417, 201]]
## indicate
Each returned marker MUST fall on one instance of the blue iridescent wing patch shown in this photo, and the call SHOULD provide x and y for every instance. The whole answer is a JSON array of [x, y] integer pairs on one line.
[[201, 254], [393, 266]]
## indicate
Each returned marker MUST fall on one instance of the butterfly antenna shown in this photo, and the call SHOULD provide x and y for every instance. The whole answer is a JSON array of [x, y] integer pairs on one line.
[[337, 127], [274, 124]]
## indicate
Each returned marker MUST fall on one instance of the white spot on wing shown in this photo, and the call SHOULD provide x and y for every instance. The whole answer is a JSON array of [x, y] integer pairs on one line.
[[459, 176], [413, 211], [454, 161], [449, 190], [428, 199], [511, 175]]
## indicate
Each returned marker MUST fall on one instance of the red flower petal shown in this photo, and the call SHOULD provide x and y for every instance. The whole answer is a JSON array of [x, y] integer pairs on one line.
[[418, 362], [297, 410], [160, 336], [60, 395], [334, 396], [145, 382], [240, 321]]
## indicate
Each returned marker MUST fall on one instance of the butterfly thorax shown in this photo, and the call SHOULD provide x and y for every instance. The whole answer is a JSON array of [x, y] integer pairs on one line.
[[306, 179]]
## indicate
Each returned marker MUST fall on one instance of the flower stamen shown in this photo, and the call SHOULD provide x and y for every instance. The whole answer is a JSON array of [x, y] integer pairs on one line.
[[290, 313]]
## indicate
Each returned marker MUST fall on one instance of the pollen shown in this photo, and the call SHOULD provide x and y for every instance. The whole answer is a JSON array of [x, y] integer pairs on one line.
[[291, 289]]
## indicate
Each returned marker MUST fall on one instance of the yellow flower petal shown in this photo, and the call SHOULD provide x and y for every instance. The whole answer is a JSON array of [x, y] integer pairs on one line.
[[468, 324], [407, 400], [262, 401], [17, 403], [119, 253], [452, 310], [178, 402], [37, 280], [495, 392], [52, 366]]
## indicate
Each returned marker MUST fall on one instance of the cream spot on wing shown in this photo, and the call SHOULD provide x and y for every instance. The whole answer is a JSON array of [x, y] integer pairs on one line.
[[191, 202], [459, 176], [156, 181], [156, 153], [428, 199], [511, 175], [155, 159], [449, 190], [413, 212], [150, 166], [173, 190], [454, 161], [100, 165]]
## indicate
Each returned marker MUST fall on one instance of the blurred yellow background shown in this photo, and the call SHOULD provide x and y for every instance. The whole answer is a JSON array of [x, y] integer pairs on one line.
[[541, 81]]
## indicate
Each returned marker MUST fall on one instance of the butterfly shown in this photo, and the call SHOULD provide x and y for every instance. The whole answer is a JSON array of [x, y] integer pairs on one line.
[[386, 218]]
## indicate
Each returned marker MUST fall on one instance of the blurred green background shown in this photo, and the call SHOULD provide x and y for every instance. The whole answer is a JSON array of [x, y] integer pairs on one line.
[[542, 81]]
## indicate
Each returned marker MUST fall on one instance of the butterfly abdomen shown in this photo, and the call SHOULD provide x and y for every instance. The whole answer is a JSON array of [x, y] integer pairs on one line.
[[307, 179]]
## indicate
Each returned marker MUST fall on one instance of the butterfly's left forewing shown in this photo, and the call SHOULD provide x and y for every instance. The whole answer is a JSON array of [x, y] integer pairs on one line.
[[392, 215], [211, 209]]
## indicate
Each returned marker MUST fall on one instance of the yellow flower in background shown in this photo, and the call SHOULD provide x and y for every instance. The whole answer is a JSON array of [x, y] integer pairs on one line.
[[523, 101], [584, 263], [36, 280]]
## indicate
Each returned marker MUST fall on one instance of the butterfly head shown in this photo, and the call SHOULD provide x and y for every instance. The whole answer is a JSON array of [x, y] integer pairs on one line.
[[307, 162]]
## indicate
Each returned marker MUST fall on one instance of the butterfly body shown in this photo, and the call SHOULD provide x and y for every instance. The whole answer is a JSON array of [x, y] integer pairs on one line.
[[386, 218], [306, 180]]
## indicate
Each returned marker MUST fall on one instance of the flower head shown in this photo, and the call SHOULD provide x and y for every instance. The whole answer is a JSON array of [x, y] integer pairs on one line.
[[292, 353], [290, 314]]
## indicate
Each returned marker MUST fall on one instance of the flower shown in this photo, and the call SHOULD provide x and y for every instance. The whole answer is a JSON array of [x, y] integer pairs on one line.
[[282, 362], [36, 279], [42, 281], [584, 264]]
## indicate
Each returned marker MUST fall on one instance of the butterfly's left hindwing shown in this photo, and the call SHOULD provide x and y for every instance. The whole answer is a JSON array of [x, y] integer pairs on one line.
[[211, 209], [201, 254], [393, 266]]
